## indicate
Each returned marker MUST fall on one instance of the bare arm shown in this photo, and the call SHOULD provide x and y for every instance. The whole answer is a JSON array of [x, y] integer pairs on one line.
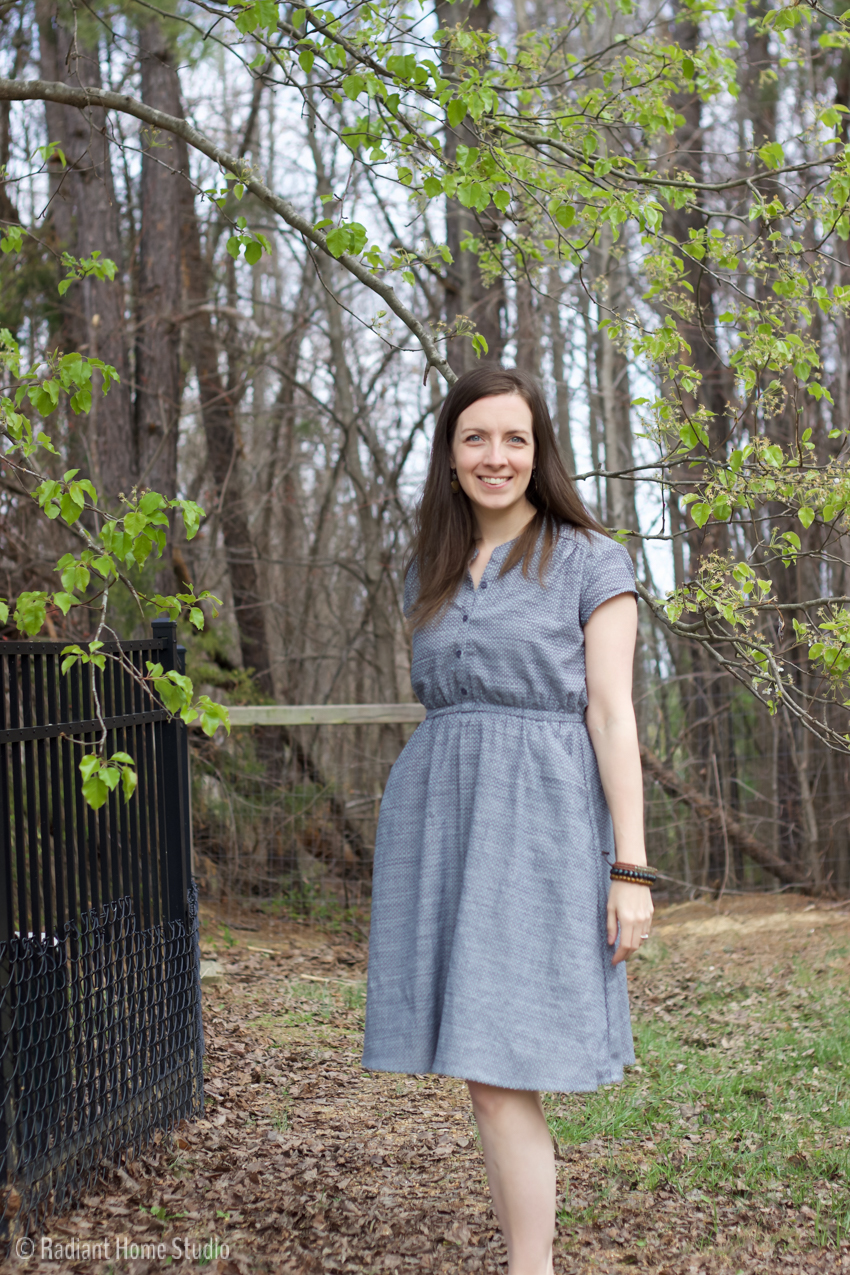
[[609, 638]]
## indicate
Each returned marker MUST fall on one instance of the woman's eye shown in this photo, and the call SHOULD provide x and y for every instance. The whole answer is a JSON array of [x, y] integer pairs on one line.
[[472, 438], [517, 438]]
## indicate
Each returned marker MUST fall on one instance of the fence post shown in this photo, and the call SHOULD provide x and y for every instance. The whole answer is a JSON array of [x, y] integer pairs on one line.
[[189, 849], [173, 777]]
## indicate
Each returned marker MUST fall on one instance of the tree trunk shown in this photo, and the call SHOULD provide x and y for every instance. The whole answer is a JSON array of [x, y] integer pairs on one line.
[[159, 382], [467, 294], [612, 378], [559, 373], [527, 326], [84, 220], [707, 695]]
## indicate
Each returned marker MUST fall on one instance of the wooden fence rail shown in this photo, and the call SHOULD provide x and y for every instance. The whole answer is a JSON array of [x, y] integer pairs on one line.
[[325, 714], [381, 714]]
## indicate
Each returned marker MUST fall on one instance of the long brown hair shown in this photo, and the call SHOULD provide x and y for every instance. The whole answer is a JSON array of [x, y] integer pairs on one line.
[[444, 537]]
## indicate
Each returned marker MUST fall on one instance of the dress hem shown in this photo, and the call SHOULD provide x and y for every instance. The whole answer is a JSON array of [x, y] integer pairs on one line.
[[542, 1087]]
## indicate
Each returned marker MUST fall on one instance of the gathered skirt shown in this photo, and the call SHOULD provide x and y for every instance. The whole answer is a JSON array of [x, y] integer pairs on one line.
[[488, 951]]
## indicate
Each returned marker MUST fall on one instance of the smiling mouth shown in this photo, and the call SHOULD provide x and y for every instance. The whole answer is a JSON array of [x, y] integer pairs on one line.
[[494, 482]]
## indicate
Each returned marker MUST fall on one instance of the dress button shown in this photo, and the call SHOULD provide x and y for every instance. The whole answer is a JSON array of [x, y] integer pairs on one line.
[[483, 584], [463, 691], [458, 654], [465, 618]]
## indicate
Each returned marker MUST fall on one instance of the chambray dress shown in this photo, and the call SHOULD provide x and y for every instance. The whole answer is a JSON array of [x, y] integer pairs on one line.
[[488, 953]]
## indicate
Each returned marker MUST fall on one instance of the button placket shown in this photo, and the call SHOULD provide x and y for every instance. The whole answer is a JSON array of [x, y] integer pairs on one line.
[[467, 607]]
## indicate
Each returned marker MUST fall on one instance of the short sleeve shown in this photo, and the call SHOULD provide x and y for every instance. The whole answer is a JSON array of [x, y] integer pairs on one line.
[[608, 571], [411, 589]]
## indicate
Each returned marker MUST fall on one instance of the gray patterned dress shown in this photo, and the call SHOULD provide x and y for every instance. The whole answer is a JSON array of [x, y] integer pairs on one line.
[[488, 954]]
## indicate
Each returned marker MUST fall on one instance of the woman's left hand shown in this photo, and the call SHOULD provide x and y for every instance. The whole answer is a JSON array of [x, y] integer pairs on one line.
[[630, 908]]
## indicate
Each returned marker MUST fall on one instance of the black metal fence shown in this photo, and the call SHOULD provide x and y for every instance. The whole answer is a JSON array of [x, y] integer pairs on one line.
[[100, 1030]]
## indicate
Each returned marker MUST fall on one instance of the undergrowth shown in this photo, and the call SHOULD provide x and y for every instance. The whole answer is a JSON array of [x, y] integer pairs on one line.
[[740, 1090]]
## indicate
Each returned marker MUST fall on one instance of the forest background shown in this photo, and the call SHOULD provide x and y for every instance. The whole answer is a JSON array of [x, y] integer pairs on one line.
[[286, 229]]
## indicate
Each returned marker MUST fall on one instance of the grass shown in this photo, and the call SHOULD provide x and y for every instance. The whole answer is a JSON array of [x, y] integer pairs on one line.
[[740, 1090], [310, 902]]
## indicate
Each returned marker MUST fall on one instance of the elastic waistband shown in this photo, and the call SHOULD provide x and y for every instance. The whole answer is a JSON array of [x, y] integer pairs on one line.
[[507, 710]]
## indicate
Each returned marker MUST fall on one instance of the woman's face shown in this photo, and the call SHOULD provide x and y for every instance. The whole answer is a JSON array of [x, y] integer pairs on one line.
[[493, 451]]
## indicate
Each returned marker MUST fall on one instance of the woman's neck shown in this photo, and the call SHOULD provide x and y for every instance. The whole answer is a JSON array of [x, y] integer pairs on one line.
[[497, 526]]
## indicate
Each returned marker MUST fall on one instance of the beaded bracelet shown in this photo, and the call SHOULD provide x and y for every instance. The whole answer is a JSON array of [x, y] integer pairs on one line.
[[637, 873]]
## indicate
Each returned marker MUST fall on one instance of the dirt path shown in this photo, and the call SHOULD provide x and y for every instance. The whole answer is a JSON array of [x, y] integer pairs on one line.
[[305, 1164]]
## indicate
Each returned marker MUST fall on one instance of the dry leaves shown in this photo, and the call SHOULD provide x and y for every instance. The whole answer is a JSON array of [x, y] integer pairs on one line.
[[304, 1163]]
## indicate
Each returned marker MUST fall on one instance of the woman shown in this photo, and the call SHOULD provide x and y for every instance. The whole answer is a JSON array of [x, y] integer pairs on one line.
[[494, 952]]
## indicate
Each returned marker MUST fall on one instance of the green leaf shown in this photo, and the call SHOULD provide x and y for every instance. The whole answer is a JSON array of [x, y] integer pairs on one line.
[[12, 241], [135, 522], [142, 546], [129, 780], [456, 112], [192, 515], [64, 601], [337, 241], [123, 757], [89, 765], [181, 680], [306, 59], [151, 502], [213, 715], [688, 68], [196, 617], [806, 515], [30, 612], [111, 776], [81, 401], [104, 565], [71, 510], [253, 252], [772, 155], [171, 696], [52, 151], [95, 792], [565, 215], [700, 513], [353, 86]]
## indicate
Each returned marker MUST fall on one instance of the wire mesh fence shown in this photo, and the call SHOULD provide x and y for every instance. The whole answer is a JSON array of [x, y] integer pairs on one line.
[[735, 799], [290, 811], [101, 1044], [100, 1030]]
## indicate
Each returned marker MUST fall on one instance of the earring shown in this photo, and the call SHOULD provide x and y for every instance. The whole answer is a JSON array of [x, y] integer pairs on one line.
[[455, 483]]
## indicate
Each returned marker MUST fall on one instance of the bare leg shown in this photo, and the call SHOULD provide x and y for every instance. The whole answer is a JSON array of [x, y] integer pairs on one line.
[[520, 1163]]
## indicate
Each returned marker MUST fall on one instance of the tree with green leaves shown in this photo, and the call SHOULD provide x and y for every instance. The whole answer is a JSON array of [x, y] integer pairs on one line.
[[571, 159]]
